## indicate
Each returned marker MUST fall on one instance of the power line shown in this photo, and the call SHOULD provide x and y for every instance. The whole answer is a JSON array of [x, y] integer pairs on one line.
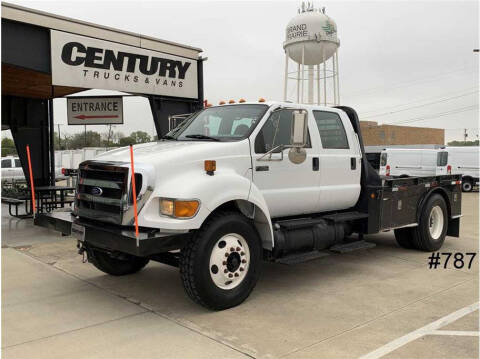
[[423, 105], [417, 101], [441, 114], [411, 82]]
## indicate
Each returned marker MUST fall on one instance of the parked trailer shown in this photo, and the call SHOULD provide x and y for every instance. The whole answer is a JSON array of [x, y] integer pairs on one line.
[[403, 162], [465, 161], [239, 183]]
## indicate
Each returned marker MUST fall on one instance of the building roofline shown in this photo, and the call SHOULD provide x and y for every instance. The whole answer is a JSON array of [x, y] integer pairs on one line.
[[88, 24]]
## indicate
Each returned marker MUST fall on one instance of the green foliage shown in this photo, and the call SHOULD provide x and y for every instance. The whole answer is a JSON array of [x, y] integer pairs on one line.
[[8, 147], [463, 143]]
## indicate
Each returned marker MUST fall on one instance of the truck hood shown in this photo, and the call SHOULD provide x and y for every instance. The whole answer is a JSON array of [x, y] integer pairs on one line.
[[168, 151]]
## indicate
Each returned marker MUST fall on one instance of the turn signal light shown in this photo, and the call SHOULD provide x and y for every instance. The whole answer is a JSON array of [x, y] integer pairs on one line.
[[242, 100], [231, 101], [185, 209], [261, 99], [221, 102], [210, 166]]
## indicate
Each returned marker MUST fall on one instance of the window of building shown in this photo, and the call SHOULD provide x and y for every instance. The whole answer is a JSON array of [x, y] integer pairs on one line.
[[331, 130]]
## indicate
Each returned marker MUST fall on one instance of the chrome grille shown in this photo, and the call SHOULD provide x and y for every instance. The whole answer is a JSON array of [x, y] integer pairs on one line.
[[102, 191]]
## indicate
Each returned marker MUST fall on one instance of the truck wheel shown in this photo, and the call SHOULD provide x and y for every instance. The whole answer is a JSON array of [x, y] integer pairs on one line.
[[220, 264], [115, 266], [404, 237], [432, 228], [467, 185]]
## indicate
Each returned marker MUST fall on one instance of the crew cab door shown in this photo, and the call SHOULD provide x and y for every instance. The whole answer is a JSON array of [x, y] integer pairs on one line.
[[288, 188], [340, 161]]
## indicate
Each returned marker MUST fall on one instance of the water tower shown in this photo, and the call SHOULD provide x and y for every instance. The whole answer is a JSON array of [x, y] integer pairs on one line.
[[311, 40]]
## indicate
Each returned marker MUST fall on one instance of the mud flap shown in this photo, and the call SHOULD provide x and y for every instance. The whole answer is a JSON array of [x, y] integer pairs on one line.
[[453, 227]]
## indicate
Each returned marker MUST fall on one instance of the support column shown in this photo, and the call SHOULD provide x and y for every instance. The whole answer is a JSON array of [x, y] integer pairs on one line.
[[324, 80], [285, 85], [310, 84]]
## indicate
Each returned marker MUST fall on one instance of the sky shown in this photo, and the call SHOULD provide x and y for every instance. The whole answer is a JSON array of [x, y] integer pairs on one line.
[[406, 62]]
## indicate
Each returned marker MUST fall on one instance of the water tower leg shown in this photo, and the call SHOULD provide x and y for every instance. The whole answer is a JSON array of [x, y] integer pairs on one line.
[[303, 73], [310, 84], [334, 78], [338, 73], [318, 84], [298, 84], [324, 81], [286, 77]]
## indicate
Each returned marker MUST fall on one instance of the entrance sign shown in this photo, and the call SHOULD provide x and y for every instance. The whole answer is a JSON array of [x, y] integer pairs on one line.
[[103, 110], [81, 61]]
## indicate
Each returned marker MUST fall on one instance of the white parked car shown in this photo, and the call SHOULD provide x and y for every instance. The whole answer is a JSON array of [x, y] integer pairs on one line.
[[465, 161], [403, 162], [12, 168]]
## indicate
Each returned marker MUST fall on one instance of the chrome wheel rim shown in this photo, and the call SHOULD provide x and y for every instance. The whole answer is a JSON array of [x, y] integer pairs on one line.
[[435, 222], [467, 186], [229, 261]]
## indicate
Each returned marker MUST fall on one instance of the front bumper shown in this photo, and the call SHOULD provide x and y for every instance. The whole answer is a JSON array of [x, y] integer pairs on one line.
[[115, 238]]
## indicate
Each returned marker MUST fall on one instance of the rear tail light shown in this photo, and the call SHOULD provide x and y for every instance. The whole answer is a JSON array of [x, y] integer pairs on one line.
[[449, 169], [387, 172]]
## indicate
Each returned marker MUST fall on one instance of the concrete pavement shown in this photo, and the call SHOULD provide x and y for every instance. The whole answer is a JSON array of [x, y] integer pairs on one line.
[[340, 306]]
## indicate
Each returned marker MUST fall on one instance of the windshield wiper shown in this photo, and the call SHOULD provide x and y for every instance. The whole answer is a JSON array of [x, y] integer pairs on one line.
[[202, 137], [168, 137]]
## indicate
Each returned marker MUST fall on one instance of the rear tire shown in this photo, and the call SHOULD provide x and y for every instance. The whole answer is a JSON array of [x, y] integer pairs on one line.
[[115, 266], [430, 233], [467, 185], [220, 264], [404, 237]]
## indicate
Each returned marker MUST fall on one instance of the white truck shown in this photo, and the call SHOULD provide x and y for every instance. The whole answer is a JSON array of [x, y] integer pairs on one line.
[[405, 162], [465, 161], [237, 184], [11, 168]]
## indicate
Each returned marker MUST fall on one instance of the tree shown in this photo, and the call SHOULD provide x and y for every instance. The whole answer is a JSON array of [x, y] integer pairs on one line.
[[8, 147], [463, 143], [81, 140], [140, 137]]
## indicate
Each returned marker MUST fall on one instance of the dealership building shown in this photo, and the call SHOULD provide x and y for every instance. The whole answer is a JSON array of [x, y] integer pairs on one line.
[[46, 56]]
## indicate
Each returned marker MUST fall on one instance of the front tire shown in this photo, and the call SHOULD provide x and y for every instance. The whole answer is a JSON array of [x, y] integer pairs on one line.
[[430, 233], [124, 265], [220, 264]]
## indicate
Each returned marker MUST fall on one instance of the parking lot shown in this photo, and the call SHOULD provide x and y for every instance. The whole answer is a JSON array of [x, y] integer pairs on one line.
[[379, 302]]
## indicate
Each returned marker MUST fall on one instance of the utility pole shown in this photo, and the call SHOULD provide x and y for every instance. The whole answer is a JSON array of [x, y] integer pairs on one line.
[[465, 135], [59, 138]]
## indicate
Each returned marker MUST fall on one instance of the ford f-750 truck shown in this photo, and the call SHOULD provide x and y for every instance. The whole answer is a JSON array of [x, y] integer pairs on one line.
[[237, 184]]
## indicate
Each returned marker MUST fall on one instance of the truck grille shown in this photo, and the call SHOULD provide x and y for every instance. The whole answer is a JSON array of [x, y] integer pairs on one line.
[[102, 191]]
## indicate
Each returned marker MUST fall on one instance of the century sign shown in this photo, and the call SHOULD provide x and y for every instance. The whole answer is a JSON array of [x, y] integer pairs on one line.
[[101, 110], [81, 61]]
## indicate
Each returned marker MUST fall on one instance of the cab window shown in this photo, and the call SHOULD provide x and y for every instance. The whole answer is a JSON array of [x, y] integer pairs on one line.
[[332, 132], [442, 159], [17, 163], [383, 159], [7, 163], [276, 131]]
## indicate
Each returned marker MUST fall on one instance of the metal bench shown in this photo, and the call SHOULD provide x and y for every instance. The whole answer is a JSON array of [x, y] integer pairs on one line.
[[14, 203]]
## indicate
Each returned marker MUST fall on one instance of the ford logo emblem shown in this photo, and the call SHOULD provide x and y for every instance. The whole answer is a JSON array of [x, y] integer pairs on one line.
[[96, 191]]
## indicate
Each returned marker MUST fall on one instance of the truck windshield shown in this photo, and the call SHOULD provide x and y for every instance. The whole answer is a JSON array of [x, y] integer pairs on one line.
[[222, 123]]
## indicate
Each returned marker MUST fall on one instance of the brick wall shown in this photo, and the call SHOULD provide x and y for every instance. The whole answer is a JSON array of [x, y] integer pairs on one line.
[[375, 135]]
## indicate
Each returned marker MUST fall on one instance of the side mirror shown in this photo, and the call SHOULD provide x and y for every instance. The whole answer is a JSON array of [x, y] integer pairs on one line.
[[299, 128], [297, 153]]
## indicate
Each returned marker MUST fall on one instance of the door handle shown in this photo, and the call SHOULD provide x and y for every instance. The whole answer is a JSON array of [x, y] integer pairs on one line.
[[261, 168], [315, 164], [353, 163]]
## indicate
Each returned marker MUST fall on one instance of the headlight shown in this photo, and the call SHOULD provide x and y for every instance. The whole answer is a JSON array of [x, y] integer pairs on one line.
[[178, 208]]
